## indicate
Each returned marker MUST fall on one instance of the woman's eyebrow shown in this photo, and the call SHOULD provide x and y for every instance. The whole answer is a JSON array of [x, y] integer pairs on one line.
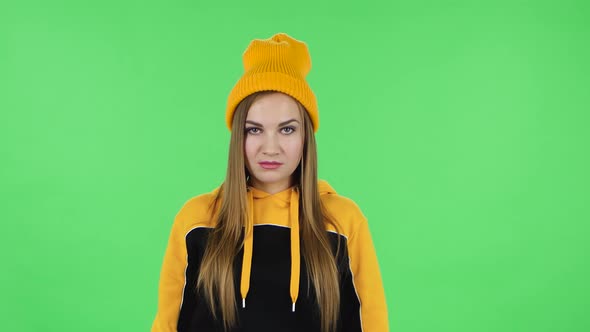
[[280, 124]]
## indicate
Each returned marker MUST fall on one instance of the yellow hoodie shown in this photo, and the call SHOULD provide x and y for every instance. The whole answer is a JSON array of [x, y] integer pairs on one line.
[[269, 289]]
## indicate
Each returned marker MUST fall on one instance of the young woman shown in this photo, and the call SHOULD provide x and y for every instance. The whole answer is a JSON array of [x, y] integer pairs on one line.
[[272, 248]]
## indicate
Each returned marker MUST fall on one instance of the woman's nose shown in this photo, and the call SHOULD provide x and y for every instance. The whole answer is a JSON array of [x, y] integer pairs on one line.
[[271, 145]]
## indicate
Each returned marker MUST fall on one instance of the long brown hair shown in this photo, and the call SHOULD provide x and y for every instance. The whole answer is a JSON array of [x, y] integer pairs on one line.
[[216, 277]]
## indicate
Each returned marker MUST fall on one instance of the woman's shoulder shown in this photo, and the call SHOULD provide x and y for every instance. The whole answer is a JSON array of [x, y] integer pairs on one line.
[[198, 210], [344, 210]]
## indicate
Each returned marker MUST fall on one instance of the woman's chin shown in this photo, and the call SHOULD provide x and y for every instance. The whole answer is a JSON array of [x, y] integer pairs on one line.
[[269, 179]]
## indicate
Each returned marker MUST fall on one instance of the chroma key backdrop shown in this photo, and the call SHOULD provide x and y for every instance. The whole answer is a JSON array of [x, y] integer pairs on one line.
[[460, 128]]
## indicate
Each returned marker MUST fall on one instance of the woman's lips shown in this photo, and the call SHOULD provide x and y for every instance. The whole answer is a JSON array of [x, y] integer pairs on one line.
[[270, 165]]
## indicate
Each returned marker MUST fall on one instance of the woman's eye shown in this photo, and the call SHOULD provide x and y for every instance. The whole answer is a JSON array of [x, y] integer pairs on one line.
[[291, 129], [254, 130]]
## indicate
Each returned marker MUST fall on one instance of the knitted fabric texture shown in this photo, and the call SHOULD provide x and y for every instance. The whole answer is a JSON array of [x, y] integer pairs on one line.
[[280, 63]]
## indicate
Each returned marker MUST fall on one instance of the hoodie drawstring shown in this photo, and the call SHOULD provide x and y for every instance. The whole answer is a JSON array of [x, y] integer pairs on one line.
[[295, 249], [248, 242], [295, 253]]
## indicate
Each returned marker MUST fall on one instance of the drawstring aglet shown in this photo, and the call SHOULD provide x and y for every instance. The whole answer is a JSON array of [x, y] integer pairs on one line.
[[293, 306], [243, 303]]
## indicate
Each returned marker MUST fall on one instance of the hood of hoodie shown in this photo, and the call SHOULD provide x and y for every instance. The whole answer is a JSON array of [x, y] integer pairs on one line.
[[280, 209]]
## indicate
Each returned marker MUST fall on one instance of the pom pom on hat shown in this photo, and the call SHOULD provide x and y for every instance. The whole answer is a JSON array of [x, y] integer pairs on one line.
[[280, 63]]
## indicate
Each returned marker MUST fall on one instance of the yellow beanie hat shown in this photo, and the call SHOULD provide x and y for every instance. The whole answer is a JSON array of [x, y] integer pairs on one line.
[[279, 63]]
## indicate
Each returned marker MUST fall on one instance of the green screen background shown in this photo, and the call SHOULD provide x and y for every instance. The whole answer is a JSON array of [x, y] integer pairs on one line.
[[460, 128]]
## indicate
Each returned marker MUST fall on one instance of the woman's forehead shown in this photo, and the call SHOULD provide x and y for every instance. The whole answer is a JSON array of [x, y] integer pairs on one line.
[[274, 109]]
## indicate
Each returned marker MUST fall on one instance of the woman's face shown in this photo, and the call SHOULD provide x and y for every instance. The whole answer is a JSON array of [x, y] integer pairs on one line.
[[274, 133]]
